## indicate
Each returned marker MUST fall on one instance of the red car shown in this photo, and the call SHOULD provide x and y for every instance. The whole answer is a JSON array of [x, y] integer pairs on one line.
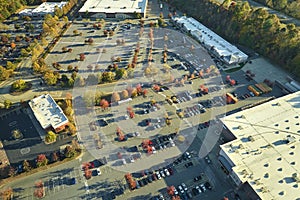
[[92, 165]]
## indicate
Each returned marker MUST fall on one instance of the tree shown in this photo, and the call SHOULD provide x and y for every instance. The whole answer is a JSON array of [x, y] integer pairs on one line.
[[7, 194], [50, 137], [121, 73], [50, 78], [87, 173], [69, 152], [72, 128], [4, 73], [70, 68], [81, 57], [104, 104], [7, 104], [19, 85], [41, 160], [54, 157], [107, 77], [26, 166], [75, 32], [11, 171], [124, 94], [39, 192], [145, 92], [156, 88], [68, 111], [115, 97]]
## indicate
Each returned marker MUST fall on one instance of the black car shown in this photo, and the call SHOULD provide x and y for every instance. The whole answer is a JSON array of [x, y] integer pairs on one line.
[[149, 179], [145, 181], [189, 164], [140, 183], [198, 178], [208, 185]]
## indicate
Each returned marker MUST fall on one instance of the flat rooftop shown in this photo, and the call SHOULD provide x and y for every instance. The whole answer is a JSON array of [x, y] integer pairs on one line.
[[267, 149], [114, 6], [47, 112], [48, 7], [212, 40]]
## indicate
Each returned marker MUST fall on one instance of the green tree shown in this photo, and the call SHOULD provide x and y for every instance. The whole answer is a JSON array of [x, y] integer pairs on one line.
[[7, 104], [50, 78], [19, 85], [69, 152], [50, 137], [121, 73], [10, 65], [4, 73], [41, 160], [108, 77]]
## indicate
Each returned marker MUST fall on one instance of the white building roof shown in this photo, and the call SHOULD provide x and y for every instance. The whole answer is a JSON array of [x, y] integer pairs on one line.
[[229, 53], [47, 112], [47, 7], [26, 11], [267, 149], [114, 6]]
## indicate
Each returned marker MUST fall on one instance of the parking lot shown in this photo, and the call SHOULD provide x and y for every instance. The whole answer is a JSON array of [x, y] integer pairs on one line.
[[25, 147]]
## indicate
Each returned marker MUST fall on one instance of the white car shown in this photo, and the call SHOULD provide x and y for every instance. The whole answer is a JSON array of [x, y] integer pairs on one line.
[[153, 150], [184, 186], [98, 171], [180, 189], [188, 155], [167, 172], [131, 159], [124, 161], [203, 187], [158, 175], [137, 134], [126, 117], [162, 174], [198, 188], [172, 143], [175, 191]]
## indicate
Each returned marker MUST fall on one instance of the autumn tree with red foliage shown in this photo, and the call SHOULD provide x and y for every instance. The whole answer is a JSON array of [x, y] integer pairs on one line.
[[104, 104], [41, 160], [156, 88], [39, 192]]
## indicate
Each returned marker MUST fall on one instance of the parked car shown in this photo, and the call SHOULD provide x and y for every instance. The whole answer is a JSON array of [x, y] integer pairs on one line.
[[198, 189], [158, 175], [208, 185], [184, 186], [167, 172], [203, 188], [198, 178], [180, 188], [207, 159], [98, 171]]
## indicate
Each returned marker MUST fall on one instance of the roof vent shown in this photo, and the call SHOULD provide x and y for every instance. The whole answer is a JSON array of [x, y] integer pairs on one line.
[[296, 177], [250, 138], [290, 139]]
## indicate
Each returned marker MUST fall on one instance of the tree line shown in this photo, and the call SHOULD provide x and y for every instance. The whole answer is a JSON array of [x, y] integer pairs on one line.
[[255, 28], [289, 7], [8, 7]]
